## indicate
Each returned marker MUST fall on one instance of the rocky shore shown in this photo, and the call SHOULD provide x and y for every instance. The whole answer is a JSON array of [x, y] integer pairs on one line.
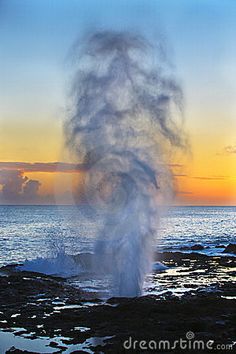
[[35, 306]]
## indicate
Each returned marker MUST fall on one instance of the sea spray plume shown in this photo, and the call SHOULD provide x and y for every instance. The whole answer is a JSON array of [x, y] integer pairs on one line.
[[123, 118]]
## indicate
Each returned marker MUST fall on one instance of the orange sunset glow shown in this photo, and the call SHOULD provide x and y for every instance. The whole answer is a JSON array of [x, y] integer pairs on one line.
[[203, 176]]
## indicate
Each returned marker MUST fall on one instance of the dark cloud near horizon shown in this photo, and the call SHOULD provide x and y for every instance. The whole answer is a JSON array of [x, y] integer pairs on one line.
[[63, 167], [31, 188], [15, 187], [43, 166]]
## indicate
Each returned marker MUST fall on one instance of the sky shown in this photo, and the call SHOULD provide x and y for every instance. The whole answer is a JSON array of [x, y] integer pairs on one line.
[[35, 70]]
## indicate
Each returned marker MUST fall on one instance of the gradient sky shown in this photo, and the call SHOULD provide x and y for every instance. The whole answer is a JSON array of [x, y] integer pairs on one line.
[[35, 73]]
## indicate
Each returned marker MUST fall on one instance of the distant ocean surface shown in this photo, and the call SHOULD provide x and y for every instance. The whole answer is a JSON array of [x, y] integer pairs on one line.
[[28, 232]]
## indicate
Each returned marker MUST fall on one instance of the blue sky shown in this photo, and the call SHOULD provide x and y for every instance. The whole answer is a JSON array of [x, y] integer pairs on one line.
[[36, 36]]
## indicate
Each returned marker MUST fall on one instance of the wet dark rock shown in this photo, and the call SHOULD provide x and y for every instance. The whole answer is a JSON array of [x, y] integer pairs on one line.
[[18, 351], [231, 248], [200, 260], [209, 312], [197, 247]]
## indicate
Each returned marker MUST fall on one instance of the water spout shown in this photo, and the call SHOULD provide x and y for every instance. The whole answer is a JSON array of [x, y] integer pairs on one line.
[[123, 118]]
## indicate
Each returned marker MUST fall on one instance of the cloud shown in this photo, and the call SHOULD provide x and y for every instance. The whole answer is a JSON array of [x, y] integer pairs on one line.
[[211, 178], [177, 165], [230, 149], [227, 150], [30, 188], [44, 166], [56, 167], [184, 192], [16, 188], [179, 175]]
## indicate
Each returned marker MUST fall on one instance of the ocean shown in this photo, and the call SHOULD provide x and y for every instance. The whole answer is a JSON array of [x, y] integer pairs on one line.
[[45, 238], [28, 232]]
